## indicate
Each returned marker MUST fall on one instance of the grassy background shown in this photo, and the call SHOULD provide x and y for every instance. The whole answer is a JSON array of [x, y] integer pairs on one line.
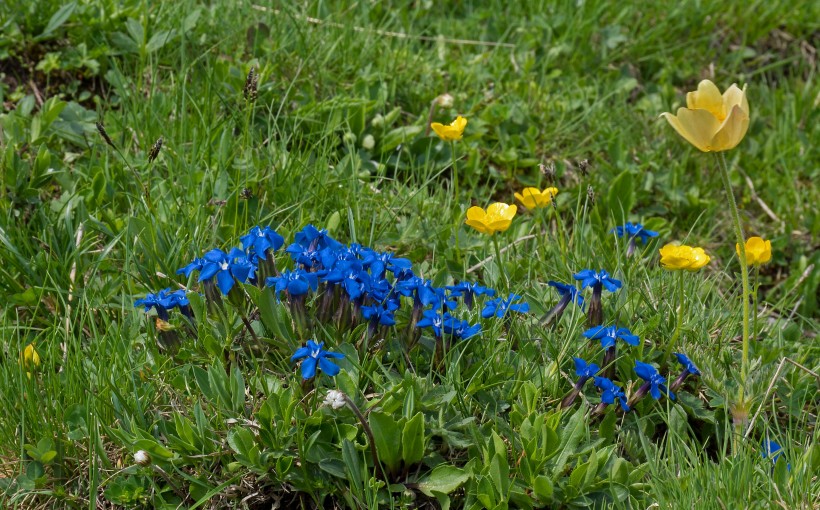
[[540, 82]]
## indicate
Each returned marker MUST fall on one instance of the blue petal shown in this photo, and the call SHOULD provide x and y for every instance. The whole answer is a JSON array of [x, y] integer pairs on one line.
[[595, 332], [300, 353], [309, 368], [656, 393], [630, 339], [645, 371], [225, 281], [328, 367]]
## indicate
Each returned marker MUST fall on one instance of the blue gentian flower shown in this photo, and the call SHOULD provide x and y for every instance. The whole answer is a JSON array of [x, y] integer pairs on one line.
[[610, 392], [598, 280], [331, 257], [608, 334], [259, 240], [773, 450], [499, 307], [634, 230], [568, 293], [307, 256], [432, 319], [458, 328], [380, 314], [584, 369], [315, 354], [311, 237], [352, 276], [196, 265], [380, 262], [654, 381], [297, 282], [590, 278], [228, 268], [164, 299], [468, 290], [435, 297], [689, 368]]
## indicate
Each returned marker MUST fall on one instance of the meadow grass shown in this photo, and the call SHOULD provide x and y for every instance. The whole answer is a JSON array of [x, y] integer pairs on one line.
[[337, 137]]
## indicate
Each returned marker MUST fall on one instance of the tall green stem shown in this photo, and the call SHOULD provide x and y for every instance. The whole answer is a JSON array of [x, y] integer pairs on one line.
[[499, 262], [744, 271], [455, 172], [671, 346]]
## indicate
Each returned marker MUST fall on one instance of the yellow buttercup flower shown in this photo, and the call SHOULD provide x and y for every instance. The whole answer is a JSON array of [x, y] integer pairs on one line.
[[758, 251], [452, 131], [711, 121], [532, 198], [497, 218], [676, 257]]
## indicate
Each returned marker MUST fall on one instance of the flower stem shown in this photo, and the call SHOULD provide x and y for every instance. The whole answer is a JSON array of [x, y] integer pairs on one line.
[[500, 262], [744, 271], [754, 302], [455, 171], [671, 345]]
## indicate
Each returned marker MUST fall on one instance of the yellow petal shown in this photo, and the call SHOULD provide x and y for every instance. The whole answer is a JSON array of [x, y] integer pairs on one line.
[[698, 259], [529, 197], [475, 213], [695, 126], [478, 225], [736, 97], [732, 130], [438, 128], [501, 210], [460, 123], [707, 97]]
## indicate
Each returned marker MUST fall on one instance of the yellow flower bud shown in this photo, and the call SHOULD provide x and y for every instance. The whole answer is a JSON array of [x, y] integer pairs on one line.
[[676, 257]]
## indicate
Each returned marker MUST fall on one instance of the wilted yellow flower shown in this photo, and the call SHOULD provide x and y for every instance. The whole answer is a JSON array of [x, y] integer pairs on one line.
[[676, 257], [758, 251], [711, 121], [532, 198], [497, 218], [452, 131]]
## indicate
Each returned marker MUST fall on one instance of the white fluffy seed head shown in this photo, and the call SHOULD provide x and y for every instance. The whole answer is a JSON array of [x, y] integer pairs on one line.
[[142, 458], [335, 399]]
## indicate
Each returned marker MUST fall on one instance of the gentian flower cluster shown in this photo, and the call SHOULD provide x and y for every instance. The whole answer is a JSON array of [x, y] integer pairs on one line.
[[353, 284]]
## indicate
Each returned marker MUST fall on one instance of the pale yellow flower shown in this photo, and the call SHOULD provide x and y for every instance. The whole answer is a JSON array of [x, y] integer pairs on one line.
[[676, 257], [758, 251], [452, 131], [532, 198], [497, 218], [30, 359], [711, 121]]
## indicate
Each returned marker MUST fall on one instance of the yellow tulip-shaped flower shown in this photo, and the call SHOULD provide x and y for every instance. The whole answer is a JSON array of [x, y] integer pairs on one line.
[[758, 251], [532, 198], [30, 359], [676, 257], [452, 131], [711, 121], [497, 218]]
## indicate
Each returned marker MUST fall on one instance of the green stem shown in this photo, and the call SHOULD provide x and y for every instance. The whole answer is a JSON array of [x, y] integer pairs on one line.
[[754, 298], [455, 172], [671, 345], [499, 262], [744, 271], [562, 241]]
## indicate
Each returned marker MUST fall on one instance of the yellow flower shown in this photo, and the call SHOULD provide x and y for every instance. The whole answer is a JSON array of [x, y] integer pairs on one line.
[[532, 198], [30, 359], [452, 131], [758, 251], [676, 257], [497, 218], [711, 121]]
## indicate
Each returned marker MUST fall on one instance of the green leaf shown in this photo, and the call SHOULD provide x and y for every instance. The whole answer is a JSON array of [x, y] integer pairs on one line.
[[398, 136], [387, 434], [444, 479], [412, 440], [500, 473], [621, 197], [543, 488], [159, 40], [237, 391], [136, 32], [57, 20]]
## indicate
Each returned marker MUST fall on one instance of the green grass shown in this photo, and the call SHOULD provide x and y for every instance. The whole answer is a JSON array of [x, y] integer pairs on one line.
[[227, 420]]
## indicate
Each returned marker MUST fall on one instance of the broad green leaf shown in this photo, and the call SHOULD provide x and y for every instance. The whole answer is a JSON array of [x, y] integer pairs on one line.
[[412, 440], [159, 40], [621, 197], [444, 479], [387, 435], [543, 488]]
